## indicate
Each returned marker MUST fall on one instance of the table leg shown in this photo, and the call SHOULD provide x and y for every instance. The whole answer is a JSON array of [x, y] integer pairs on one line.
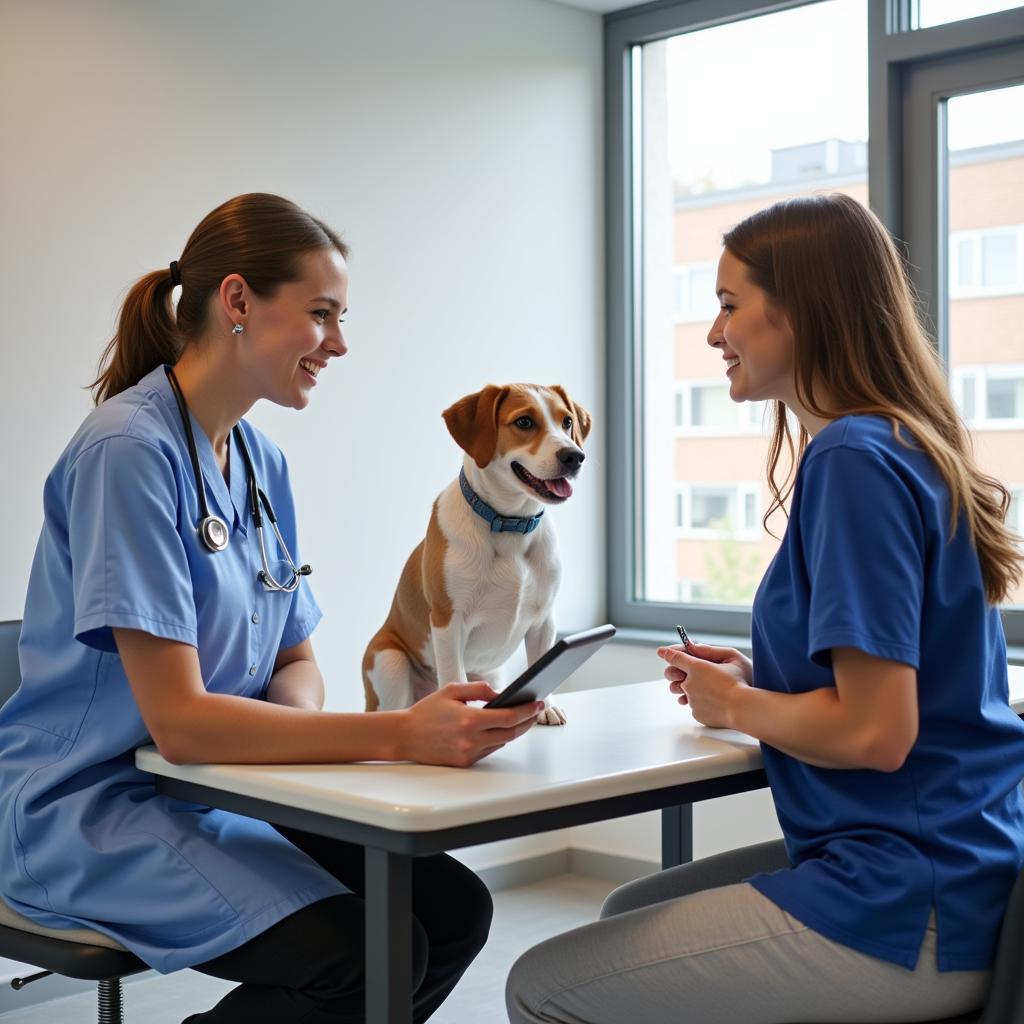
[[676, 835], [388, 937]]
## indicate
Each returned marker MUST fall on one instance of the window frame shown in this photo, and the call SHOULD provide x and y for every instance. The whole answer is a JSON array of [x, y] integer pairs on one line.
[[895, 49]]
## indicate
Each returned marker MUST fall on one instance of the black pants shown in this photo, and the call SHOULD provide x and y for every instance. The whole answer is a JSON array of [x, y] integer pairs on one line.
[[310, 967]]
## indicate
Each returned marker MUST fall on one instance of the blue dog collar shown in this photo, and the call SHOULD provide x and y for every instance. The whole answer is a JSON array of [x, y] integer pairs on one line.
[[499, 524]]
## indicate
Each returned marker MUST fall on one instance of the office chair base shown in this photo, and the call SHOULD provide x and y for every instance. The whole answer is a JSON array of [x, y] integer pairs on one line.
[[19, 983], [110, 1010]]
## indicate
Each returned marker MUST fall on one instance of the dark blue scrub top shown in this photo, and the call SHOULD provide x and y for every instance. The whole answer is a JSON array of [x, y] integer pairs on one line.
[[866, 562]]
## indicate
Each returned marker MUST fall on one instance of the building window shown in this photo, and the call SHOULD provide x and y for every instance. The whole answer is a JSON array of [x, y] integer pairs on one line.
[[990, 397], [1015, 513], [688, 590], [704, 409], [723, 509], [694, 299], [986, 262]]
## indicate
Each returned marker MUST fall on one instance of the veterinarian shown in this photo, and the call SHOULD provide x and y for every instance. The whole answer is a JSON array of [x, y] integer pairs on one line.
[[878, 687], [159, 609]]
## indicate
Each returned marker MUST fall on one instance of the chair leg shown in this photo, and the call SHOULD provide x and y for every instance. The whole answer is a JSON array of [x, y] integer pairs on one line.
[[110, 1001]]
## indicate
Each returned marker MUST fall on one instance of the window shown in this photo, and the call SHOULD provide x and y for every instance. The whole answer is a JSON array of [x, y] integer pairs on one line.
[[1004, 398], [991, 397], [688, 590], [692, 149], [1015, 514], [719, 509], [695, 298], [696, 177], [941, 12], [704, 408], [987, 262], [979, 317]]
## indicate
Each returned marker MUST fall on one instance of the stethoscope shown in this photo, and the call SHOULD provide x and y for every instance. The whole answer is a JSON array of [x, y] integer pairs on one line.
[[212, 530]]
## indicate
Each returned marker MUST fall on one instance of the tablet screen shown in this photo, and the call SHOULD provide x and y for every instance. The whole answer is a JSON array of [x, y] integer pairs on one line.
[[553, 668]]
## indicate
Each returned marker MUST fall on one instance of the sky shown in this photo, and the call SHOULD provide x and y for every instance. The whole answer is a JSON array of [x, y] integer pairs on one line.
[[938, 12], [737, 91]]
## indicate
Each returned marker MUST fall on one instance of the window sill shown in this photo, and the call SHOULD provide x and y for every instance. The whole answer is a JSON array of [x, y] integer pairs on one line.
[[655, 637]]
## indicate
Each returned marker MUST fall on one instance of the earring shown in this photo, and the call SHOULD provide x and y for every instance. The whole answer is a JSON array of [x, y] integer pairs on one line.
[[237, 329]]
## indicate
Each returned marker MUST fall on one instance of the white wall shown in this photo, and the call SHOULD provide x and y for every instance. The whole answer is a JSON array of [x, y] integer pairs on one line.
[[456, 144]]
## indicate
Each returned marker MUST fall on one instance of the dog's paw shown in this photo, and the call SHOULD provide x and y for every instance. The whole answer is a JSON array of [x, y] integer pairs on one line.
[[551, 715]]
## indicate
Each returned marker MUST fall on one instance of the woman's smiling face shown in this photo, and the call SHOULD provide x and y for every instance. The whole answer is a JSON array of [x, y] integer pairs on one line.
[[291, 336], [754, 337]]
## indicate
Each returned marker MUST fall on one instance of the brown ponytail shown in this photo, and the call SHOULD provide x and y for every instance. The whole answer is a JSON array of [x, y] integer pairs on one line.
[[146, 336], [258, 236]]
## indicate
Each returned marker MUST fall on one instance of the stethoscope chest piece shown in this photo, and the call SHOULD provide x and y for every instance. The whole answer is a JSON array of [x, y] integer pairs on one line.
[[213, 532]]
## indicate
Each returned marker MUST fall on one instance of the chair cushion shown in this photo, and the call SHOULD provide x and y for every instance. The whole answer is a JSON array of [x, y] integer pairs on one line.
[[85, 936], [966, 1018]]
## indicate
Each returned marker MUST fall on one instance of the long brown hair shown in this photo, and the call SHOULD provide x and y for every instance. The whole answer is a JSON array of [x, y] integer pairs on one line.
[[257, 235], [830, 265]]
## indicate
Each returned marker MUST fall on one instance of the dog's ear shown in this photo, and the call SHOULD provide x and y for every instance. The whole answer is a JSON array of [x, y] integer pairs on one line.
[[580, 417], [473, 422]]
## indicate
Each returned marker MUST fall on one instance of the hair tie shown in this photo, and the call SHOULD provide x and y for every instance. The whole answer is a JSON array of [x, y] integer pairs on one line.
[[175, 273]]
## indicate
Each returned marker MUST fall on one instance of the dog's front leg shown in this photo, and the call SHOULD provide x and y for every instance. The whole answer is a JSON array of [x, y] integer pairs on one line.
[[449, 651], [540, 638]]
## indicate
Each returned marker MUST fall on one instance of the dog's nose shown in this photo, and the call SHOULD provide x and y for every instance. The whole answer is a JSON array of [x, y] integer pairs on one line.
[[570, 457]]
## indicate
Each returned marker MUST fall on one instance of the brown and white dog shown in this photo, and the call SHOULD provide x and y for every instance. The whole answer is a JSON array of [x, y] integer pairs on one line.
[[484, 578]]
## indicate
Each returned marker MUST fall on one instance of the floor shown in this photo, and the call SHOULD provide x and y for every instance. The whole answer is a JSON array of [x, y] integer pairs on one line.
[[522, 917]]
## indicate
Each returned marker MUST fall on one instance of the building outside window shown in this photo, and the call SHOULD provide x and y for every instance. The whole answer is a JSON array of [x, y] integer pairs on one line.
[[726, 519]]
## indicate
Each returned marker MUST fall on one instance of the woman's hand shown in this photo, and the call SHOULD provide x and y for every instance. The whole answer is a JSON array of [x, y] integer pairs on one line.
[[442, 729], [709, 679], [721, 656]]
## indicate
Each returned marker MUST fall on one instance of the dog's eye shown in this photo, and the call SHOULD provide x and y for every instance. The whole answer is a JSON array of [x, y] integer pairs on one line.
[[524, 423], [567, 423]]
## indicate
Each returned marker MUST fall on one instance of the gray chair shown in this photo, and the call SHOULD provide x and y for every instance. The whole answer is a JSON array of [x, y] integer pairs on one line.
[[1005, 1002], [81, 953]]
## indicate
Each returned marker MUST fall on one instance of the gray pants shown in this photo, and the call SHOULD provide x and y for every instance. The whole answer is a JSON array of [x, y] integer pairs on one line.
[[693, 945]]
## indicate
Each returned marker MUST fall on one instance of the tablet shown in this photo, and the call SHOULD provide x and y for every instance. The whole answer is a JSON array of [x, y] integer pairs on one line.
[[553, 668]]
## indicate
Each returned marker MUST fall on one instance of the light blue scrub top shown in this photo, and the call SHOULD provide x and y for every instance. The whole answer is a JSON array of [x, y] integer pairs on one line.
[[866, 562], [85, 839]]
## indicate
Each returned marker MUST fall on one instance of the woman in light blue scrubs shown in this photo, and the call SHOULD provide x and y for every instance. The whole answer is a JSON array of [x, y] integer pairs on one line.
[[136, 631], [878, 686]]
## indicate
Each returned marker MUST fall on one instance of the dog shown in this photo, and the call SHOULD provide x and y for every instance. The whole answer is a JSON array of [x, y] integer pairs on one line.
[[485, 577]]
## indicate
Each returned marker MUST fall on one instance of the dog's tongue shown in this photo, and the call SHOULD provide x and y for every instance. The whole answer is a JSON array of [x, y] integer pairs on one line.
[[561, 487]]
